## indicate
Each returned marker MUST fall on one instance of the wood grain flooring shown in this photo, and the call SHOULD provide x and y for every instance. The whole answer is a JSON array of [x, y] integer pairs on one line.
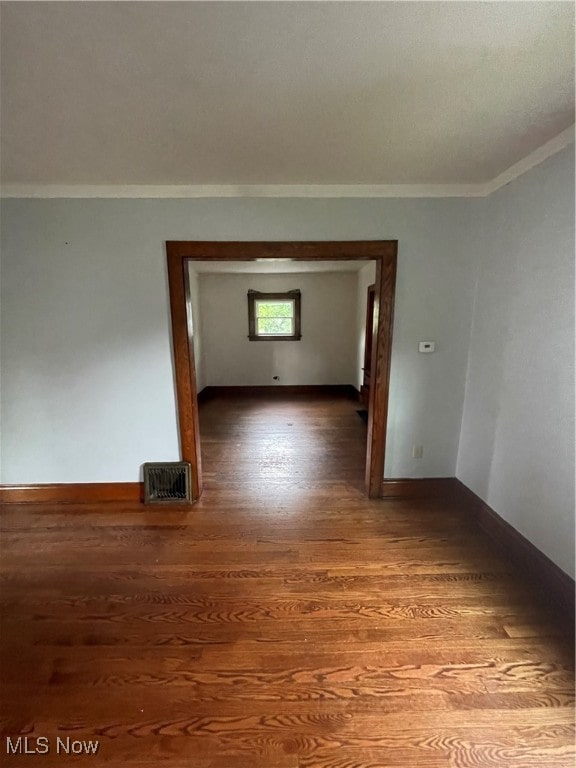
[[286, 621]]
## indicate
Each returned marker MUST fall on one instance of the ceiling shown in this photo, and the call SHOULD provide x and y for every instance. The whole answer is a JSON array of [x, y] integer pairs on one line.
[[280, 93]]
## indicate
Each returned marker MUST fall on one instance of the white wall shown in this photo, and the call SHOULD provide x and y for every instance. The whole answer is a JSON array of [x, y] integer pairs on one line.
[[366, 277], [324, 355], [517, 442], [197, 337], [87, 378]]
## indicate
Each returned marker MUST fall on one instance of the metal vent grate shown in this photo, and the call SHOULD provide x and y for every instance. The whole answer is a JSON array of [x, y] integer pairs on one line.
[[167, 482]]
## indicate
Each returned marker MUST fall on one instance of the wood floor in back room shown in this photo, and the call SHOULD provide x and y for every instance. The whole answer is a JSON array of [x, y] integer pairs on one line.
[[285, 621]]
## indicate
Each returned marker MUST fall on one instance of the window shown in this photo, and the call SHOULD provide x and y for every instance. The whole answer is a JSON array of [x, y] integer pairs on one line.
[[274, 316]]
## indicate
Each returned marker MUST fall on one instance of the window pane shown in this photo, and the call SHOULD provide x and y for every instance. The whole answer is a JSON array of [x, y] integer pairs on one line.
[[274, 326], [274, 308]]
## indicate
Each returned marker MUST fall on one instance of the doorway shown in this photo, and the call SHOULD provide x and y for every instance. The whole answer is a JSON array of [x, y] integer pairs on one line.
[[384, 254]]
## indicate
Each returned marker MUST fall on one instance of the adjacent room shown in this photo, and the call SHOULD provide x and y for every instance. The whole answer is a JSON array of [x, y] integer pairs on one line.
[[287, 427], [281, 408]]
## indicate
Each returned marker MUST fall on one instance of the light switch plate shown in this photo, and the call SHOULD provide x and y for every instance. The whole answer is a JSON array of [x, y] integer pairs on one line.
[[426, 346]]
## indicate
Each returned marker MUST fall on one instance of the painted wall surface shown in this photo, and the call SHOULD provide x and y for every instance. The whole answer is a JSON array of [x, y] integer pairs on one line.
[[88, 390], [197, 337], [87, 376], [517, 442], [324, 355], [366, 277]]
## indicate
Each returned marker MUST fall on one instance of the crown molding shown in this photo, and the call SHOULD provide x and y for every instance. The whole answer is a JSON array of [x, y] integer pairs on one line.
[[169, 191], [530, 161], [244, 190]]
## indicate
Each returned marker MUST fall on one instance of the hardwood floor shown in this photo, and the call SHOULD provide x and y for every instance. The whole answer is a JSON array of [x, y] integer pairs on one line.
[[286, 621], [301, 442]]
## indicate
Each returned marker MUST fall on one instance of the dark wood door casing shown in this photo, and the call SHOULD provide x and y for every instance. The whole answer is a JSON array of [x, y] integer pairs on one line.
[[383, 252]]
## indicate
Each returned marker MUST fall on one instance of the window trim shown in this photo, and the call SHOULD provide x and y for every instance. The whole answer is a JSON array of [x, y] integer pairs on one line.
[[254, 296]]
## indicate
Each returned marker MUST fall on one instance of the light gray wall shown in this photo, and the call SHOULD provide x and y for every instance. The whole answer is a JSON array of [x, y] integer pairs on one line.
[[324, 355], [517, 442], [87, 379], [86, 369]]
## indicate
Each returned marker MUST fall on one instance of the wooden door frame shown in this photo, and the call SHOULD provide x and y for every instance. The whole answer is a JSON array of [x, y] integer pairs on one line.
[[383, 252]]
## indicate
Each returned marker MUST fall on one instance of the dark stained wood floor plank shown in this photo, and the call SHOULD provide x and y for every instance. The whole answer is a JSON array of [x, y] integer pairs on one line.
[[286, 621]]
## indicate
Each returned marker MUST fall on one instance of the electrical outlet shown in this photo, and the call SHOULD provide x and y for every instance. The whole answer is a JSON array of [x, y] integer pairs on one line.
[[417, 451]]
